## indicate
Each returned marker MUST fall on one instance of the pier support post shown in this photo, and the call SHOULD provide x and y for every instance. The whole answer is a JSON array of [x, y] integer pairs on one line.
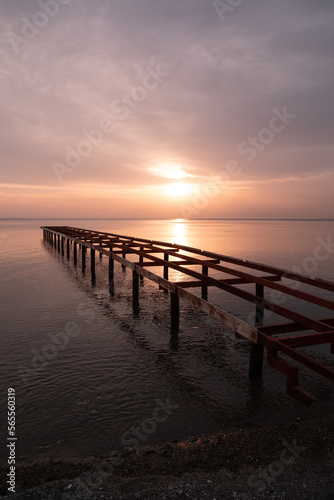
[[58, 243], [123, 256], [83, 258], [62, 246], [111, 275], [166, 256], [141, 259], [55, 241], [92, 265], [68, 248], [101, 255], [75, 255], [175, 312], [165, 273], [135, 291], [256, 350], [205, 271]]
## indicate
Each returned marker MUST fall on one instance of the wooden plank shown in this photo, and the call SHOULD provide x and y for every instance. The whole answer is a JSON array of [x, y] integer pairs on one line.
[[328, 304], [272, 344], [229, 281], [308, 339], [148, 264], [283, 311], [291, 327]]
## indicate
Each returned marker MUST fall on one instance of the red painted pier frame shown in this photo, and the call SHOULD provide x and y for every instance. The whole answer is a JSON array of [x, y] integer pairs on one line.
[[275, 338]]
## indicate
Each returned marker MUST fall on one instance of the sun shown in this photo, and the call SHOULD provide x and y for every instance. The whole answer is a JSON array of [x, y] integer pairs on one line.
[[179, 189]]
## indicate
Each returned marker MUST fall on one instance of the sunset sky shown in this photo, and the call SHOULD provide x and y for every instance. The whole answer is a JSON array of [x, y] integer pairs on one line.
[[167, 108]]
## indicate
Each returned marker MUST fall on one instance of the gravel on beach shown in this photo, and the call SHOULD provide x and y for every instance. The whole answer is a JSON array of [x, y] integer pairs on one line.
[[293, 461]]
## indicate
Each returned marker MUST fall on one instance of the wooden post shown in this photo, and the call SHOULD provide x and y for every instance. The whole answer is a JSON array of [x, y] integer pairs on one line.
[[256, 351], [205, 271], [141, 259], [165, 273], [166, 267], [175, 312], [68, 248], [123, 255], [55, 241], [58, 243], [135, 291], [62, 246], [111, 276], [83, 258], [92, 264], [101, 255], [75, 256]]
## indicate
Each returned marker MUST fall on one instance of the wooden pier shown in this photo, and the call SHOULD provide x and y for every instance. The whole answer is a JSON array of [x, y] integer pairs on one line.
[[285, 338]]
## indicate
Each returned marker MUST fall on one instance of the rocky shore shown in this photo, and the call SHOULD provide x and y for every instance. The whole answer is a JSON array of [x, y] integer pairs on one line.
[[293, 461]]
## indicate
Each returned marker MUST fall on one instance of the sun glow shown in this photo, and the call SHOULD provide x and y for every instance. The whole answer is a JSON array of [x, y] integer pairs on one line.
[[179, 189], [169, 171]]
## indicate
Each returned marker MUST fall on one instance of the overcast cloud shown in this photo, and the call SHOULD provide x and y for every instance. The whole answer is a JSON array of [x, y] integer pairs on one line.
[[217, 82]]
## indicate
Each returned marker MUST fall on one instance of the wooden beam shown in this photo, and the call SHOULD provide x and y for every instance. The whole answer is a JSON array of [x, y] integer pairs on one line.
[[228, 281]]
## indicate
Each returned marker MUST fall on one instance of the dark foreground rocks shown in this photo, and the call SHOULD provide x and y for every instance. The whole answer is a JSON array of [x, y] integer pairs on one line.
[[294, 461]]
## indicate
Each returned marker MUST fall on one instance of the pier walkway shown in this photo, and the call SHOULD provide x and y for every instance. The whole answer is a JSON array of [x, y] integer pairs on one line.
[[282, 341]]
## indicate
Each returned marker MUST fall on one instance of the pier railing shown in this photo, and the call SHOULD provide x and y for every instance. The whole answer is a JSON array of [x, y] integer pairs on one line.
[[276, 338]]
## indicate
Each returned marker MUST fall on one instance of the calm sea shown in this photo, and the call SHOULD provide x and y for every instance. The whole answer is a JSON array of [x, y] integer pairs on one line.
[[118, 367]]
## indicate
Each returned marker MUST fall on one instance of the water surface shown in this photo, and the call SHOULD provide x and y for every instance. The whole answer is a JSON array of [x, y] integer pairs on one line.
[[110, 374]]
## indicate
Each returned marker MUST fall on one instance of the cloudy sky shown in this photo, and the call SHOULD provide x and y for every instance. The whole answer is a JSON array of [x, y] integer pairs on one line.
[[167, 108]]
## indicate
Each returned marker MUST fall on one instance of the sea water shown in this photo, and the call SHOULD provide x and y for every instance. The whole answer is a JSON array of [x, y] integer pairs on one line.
[[88, 371]]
